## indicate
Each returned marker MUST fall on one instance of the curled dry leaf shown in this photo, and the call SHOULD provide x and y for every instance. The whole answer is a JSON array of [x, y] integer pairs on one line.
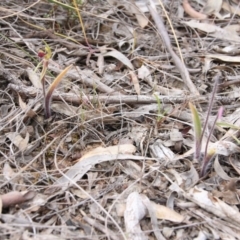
[[126, 46], [220, 171], [96, 156], [34, 78], [22, 104], [119, 56], [18, 141], [192, 12], [141, 18], [134, 212], [13, 198], [190, 177], [135, 82], [145, 74], [161, 211]]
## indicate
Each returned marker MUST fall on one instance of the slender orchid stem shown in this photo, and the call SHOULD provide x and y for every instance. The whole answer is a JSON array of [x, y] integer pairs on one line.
[[216, 78], [208, 156]]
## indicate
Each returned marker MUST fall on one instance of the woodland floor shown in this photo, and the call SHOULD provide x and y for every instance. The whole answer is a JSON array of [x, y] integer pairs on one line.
[[107, 150]]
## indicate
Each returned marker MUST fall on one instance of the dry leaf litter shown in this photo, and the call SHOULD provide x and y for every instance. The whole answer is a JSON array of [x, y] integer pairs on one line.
[[115, 160]]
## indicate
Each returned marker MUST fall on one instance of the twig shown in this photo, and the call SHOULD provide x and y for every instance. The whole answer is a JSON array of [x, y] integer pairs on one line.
[[132, 99], [178, 63], [19, 12]]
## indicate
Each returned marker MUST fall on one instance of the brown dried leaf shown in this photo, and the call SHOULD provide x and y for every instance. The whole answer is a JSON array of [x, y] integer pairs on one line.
[[135, 82], [230, 194], [24, 144], [166, 213], [34, 78], [22, 104], [18, 141], [141, 18]]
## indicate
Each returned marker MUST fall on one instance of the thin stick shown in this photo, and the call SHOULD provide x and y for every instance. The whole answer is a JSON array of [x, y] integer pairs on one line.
[[116, 98], [216, 80]]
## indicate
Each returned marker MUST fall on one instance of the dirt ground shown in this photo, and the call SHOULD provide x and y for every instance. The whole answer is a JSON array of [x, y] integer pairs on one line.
[[119, 119]]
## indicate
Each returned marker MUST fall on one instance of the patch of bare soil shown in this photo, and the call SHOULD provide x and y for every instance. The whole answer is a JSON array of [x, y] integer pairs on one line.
[[119, 119]]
